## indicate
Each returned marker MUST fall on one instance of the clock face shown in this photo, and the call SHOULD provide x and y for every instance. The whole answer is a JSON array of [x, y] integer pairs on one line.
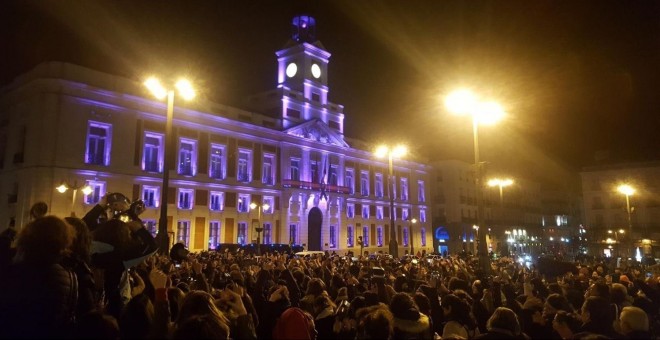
[[316, 71], [291, 70]]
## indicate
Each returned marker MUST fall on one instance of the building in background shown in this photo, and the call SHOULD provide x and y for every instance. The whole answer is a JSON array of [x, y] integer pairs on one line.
[[65, 124]]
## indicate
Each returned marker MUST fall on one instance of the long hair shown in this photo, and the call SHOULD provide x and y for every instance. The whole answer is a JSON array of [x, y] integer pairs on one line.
[[460, 310], [44, 240], [199, 303], [82, 240]]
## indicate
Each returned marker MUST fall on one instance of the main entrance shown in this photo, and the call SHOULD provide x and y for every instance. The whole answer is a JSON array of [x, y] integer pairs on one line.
[[314, 222]]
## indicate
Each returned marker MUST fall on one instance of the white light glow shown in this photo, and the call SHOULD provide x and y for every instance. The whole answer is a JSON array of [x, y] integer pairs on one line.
[[185, 89], [62, 188], [156, 88], [460, 102], [87, 190], [291, 70], [381, 151], [489, 113], [626, 189]]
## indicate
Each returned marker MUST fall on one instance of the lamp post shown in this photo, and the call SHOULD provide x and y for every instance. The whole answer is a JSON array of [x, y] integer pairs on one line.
[[412, 236], [628, 191], [259, 228], [160, 92], [85, 189], [465, 102], [381, 152], [616, 239], [476, 229]]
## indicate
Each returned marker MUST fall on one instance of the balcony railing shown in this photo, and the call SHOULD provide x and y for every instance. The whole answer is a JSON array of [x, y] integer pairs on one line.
[[288, 183]]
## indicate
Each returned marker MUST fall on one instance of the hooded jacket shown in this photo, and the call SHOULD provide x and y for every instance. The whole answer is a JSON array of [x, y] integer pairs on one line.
[[413, 329]]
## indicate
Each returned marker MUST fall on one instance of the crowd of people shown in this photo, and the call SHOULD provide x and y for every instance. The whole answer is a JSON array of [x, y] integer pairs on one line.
[[103, 278]]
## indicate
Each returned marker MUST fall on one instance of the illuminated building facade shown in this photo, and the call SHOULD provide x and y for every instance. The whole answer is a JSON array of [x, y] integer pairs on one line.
[[62, 123]]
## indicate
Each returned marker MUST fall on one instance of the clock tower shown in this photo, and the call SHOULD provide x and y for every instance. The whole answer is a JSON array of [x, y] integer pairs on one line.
[[303, 79]]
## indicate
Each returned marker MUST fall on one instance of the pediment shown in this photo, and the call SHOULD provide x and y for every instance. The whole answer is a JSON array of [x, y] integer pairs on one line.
[[318, 131]]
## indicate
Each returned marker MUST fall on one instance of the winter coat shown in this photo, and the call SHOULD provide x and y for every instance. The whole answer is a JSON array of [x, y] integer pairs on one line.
[[413, 329], [37, 301]]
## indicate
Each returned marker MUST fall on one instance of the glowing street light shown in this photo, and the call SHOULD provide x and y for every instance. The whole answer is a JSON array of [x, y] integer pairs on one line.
[[259, 227], [161, 92], [501, 183], [85, 189], [463, 102], [396, 152], [628, 191]]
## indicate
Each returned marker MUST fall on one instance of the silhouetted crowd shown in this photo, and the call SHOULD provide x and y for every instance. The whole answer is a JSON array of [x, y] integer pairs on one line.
[[102, 277]]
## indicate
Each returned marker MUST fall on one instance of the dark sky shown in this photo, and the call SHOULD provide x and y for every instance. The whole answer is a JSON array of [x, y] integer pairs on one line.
[[576, 77]]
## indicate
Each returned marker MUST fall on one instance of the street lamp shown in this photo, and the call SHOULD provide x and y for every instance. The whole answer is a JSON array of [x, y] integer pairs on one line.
[[412, 236], [259, 228], [85, 189], [381, 152], [187, 92], [501, 183], [628, 191], [463, 102], [616, 238]]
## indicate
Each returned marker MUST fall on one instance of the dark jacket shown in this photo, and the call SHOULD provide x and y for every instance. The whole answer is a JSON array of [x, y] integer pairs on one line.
[[495, 333], [591, 328], [37, 301], [413, 329]]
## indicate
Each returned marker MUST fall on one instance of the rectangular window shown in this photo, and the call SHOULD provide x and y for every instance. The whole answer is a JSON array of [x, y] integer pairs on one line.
[[217, 201], [268, 204], [187, 157], [150, 196], [217, 162], [333, 237], [404, 189], [242, 233], [422, 234], [365, 211], [422, 215], [99, 137], [183, 232], [349, 181], [365, 236], [293, 234], [421, 196], [379, 213], [268, 170], [98, 191], [243, 203], [350, 236], [244, 166], [406, 236], [153, 152], [350, 210], [268, 233], [404, 214], [379, 236], [214, 234], [185, 199], [379, 185], [332, 176], [364, 183], [314, 172], [294, 169], [151, 226]]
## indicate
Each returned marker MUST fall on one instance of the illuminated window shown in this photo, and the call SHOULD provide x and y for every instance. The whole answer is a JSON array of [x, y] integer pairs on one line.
[[242, 233], [217, 162], [379, 236], [150, 196], [364, 183], [183, 232], [293, 234], [379, 185], [349, 181], [421, 196], [422, 215], [185, 199], [217, 201], [379, 213], [332, 176], [314, 172], [333, 236], [268, 233], [270, 202], [405, 237], [350, 234], [404, 214], [294, 169], [365, 236], [98, 191], [152, 154], [214, 234], [187, 157], [243, 203], [268, 170], [350, 210], [404, 189], [99, 138], [365, 211], [422, 234], [244, 166]]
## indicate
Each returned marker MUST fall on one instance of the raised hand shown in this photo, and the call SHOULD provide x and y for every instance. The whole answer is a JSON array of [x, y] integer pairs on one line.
[[158, 279]]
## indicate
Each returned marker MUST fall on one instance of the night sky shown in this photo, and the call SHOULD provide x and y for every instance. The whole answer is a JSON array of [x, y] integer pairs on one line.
[[578, 79]]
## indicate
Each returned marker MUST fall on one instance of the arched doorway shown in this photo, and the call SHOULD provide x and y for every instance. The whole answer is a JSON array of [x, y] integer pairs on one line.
[[441, 240], [314, 222]]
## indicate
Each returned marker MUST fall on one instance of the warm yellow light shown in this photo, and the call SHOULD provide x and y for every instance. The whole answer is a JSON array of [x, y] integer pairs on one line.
[[266, 206], [462, 101], [609, 231], [626, 189], [62, 188], [382, 151], [185, 89], [475, 227], [414, 220], [488, 113], [399, 151], [500, 182], [253, 205], [156, 88], [87, 190], [621, 231]]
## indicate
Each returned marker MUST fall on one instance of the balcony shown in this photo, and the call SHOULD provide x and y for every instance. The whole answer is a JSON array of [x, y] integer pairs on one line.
[[288, 183]]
